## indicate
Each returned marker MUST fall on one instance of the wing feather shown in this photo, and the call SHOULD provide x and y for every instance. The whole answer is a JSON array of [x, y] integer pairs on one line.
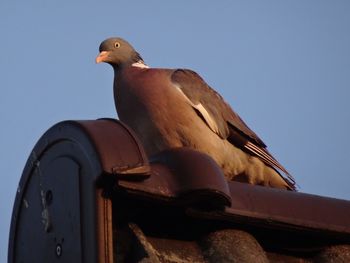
[[222, 120]]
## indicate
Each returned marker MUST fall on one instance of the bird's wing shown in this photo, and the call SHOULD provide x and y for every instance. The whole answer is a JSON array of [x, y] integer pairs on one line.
[[221, 119]]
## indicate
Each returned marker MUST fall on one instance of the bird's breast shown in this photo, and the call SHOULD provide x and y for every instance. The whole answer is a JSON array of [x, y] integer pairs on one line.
[[147, 101], [142, 91]]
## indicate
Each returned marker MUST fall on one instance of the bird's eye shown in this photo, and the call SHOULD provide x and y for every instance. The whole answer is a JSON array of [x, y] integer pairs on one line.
[[117, 45]]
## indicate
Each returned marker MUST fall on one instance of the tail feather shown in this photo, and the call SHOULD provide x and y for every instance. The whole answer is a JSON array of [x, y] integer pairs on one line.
[[268, 159]]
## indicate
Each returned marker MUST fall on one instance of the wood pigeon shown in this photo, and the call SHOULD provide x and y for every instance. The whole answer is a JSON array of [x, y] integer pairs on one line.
[[170, 108]]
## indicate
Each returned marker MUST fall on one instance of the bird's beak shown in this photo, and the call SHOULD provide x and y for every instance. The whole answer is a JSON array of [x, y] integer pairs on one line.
[[102, 57]]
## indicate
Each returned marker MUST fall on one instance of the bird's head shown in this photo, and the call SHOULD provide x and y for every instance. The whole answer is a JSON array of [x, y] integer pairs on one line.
[[118, 53]]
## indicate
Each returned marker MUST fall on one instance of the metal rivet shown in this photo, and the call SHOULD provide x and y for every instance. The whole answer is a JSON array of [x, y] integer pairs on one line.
[[58, 250]]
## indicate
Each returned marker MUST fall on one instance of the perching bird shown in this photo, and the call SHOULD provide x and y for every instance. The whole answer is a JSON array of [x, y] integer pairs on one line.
[[170, 108]]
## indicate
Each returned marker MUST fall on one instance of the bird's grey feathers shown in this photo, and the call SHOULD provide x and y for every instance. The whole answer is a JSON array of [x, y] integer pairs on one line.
[[221, 119], [199, 117]]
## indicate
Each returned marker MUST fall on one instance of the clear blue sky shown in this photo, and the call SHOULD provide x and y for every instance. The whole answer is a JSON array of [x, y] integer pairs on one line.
[[284, 66]]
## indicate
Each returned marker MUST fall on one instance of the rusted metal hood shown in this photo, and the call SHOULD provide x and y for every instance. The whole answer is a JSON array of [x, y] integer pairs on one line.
[[185, 176], [87, 184]]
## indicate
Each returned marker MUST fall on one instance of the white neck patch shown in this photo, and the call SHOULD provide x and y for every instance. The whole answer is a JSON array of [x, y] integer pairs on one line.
[[139, 64]]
